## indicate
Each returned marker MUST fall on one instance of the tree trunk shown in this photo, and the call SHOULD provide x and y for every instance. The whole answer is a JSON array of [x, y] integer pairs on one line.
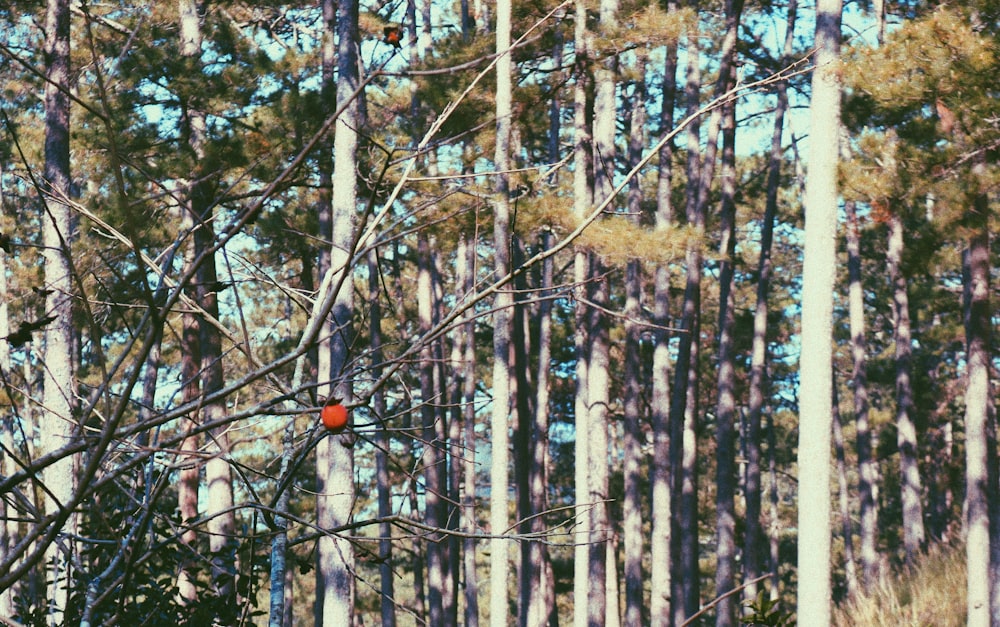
[[9, 532], [218, 475], [847, 528], [431, 459], [598, 376], [582, 199], [981, 488], [335, 454], [753, 542], [57, 425], [467, 264], [383, 480], [683, 443], [906, 430], [660, 488], [816, 372], [634, 461], [725, 506], [867, 469], [499, 517]]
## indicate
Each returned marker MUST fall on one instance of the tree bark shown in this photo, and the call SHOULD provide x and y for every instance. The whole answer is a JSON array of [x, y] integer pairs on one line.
[[753, 543], [582, 199], [335, 562], [816, 372], [57, 424], [634, 460], [660, 488], [867, 469], [499, 517], [906, 429], [981, 487], [725, 501], [847, 528], [598, 376]]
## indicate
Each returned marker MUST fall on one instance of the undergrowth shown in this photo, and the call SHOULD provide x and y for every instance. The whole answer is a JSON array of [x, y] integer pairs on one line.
[[931, 593]]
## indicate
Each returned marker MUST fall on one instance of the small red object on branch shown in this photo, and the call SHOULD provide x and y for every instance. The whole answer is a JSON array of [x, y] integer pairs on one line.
[[393, 36], [334, 415]]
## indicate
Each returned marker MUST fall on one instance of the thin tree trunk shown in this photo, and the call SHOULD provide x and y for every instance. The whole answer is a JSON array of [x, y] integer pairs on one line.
[[218, 475], [335, 454], [582, 199], [684, 565], [384, 487], [467, 255], [847, 528], [753, 544], [818, 273], [867, 470], [56, 424], [660, 488], [725, 507], [634, 461], [499, 517], [431, 459], [9, 532], [598, 376], [981, 489], [906, 430]]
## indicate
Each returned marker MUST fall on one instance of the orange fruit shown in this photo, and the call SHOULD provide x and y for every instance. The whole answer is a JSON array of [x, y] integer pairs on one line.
[[334, 417]]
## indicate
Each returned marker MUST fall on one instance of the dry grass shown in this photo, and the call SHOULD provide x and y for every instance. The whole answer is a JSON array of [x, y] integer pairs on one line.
[[930, 594]]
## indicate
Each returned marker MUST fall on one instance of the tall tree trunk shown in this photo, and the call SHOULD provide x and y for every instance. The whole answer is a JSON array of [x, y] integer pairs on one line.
[[684, 563], [335, 454], [980, 482], [598, 377], [499, 517], [634, 461], [867, 469], [57, 426], [753, 543], [816, 372], [660, 488], [583, 195], [218, 475], [384, 487], [725, 505], [466, 269], [431, 460], [684, 402], [906, 430], [9, 532]]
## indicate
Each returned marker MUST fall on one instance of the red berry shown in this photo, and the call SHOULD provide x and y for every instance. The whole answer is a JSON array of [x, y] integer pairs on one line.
[[334, 417]]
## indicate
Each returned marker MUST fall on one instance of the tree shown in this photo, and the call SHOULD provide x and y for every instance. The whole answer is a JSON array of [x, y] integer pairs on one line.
[[335, 562], [502, 374], [57, 424], [815, 367]]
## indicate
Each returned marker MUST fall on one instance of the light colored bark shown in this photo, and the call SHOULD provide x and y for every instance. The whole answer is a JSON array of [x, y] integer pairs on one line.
[[867, 469], [980, 486], [57, 426], [659, 543], [906, 429], [8, 525], [815, 368], [499, 516], [582, 200], [335, 562], [598, 377], [847, 527]]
